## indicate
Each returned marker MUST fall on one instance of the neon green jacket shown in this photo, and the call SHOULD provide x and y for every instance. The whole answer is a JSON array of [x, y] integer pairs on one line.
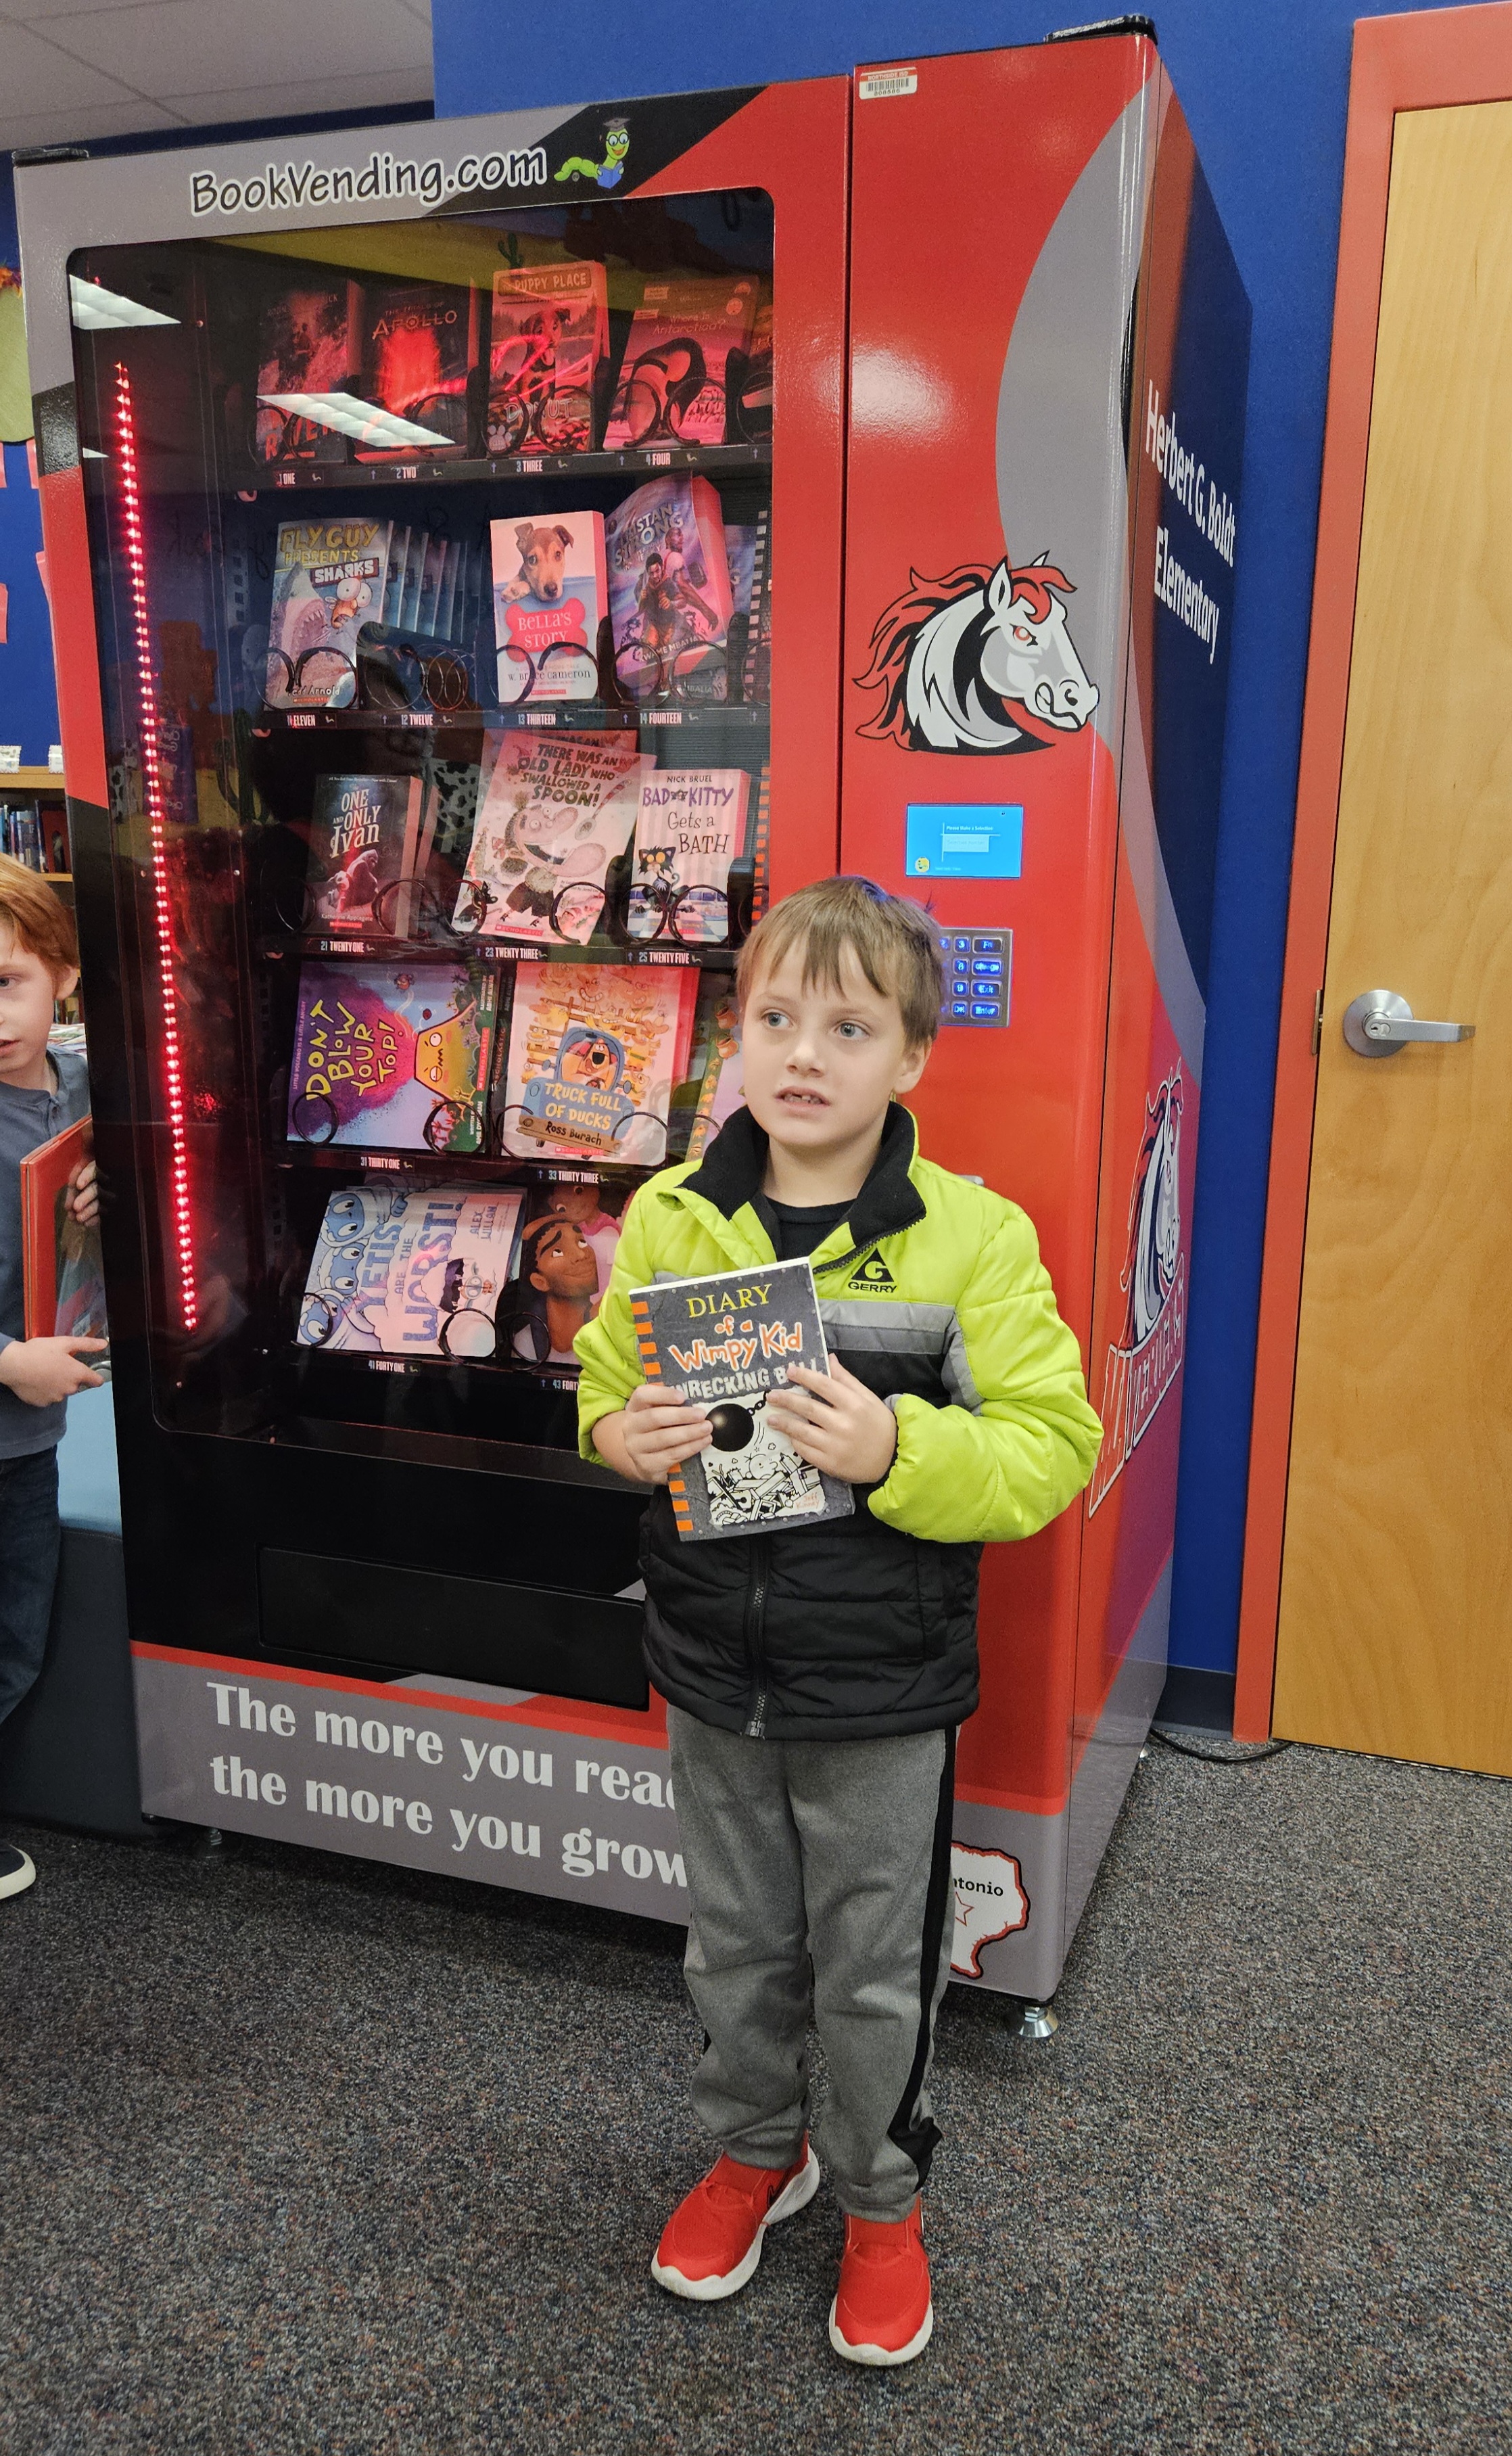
[[933, 1294]]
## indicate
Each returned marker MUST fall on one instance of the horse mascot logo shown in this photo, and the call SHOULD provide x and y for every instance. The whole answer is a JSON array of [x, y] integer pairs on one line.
[[980, 661], [1143, 1365]]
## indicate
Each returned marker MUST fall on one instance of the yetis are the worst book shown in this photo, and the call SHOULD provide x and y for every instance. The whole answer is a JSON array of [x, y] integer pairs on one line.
[[727, 1341]]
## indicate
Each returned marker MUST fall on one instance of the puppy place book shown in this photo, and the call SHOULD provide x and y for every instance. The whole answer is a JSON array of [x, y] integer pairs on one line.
[[726, 1341]]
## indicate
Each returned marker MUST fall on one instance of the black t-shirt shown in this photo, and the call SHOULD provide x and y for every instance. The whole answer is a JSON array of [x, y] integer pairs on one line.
[[801, 1232]]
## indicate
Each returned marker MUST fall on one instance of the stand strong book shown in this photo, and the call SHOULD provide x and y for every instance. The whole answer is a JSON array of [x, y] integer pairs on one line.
[[726, 1341]]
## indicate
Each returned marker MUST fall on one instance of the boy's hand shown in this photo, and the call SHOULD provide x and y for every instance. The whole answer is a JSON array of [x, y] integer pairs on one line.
[[42, 1371], [655, 1432], [835, 1423], [83, 1194]]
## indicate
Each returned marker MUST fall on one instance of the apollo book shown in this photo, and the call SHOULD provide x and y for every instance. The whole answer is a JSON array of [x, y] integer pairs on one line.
[[393, 1056], [420, 347], [418, 1271], [595, 1050], [63, 1274], [329, 579], [726, 1341]]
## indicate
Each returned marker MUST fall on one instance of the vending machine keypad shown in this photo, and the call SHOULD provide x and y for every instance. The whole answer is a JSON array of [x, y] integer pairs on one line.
[[978, 976]]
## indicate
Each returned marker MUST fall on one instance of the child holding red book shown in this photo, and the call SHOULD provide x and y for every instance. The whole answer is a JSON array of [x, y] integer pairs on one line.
[[41, 1091], [816, 1675]]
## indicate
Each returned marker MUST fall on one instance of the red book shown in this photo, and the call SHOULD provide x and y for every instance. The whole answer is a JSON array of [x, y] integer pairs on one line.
[[62, 1272]]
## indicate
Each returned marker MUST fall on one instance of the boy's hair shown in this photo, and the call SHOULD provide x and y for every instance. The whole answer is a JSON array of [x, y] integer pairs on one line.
[[38, 918], [894, 942]]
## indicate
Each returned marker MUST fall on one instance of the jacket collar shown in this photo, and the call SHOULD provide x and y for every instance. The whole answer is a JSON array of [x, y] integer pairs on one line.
[[732, 1175]]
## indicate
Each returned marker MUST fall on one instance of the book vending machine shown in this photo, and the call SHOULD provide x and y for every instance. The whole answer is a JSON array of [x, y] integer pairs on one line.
[[415, 500]]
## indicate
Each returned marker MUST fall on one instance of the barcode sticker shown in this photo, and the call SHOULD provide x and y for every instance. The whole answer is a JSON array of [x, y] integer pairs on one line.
[[877, 85]]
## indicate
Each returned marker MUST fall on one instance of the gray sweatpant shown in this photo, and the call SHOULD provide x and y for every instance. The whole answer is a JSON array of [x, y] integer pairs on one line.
[[818, 1870]]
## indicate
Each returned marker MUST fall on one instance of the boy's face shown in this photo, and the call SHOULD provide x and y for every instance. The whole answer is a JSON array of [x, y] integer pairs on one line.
[[28, 990], [821, 1064], [575, 1203]]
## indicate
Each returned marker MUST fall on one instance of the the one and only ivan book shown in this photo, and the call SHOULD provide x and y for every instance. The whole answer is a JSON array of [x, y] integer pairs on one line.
[[726, 1341]]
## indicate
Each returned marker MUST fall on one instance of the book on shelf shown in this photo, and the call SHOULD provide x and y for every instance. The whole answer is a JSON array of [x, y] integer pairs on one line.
[[393, 1056], [308, 347], [554, 812], [671, 387], [549, 596], [329, 579], [549, 336], [418, 1271], [566, 1252], [420, 348], [364, 855], [21, 835], [726, 1341], [63, 1274], [595, 1050], [433, 563], [669, 588], [689, 827], [719, 1083], [393, 599]]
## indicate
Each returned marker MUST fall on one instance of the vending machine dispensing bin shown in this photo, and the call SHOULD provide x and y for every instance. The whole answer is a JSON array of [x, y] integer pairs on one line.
[[414, 500]]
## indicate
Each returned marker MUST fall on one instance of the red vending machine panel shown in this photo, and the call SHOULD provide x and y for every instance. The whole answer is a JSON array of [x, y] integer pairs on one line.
[[1047, 395]]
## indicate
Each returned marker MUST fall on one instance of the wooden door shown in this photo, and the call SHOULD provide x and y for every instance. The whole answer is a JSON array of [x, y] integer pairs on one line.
[[1396, 1616]]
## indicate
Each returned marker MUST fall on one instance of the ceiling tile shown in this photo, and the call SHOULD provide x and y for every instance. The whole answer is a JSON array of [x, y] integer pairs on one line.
[[217, 46], [129, 118], [35, 75], [375, 93]]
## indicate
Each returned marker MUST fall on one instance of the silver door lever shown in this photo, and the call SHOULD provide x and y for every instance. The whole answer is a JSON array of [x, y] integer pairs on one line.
[[1378, 1023]]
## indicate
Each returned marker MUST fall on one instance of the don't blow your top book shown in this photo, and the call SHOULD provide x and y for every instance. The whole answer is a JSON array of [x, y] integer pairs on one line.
[[727, 1341]]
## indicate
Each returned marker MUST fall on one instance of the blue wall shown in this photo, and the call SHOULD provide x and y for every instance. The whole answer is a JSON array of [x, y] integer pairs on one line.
[[1265, 91], [29, 700]]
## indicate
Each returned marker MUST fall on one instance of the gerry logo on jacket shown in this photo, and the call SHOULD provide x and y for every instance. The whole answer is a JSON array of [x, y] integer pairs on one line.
[[871, 1278], [1141, 1370]]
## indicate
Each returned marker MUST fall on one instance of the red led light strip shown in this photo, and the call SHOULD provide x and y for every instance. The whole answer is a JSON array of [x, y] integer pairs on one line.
[[153, 792]]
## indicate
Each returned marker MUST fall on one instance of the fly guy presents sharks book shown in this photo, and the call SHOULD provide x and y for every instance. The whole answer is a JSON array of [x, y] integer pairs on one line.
[[725, 1342]]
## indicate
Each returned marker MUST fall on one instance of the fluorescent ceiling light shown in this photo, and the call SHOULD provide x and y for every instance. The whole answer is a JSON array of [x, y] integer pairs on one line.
[[345, 415], [99, 310]]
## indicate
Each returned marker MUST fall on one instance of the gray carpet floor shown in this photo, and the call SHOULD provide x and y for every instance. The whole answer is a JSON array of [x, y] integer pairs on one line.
[[297, 2154]]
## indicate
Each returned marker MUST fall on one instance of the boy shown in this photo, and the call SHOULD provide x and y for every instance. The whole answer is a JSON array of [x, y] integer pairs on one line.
[[816, 1677], [41, 1091]]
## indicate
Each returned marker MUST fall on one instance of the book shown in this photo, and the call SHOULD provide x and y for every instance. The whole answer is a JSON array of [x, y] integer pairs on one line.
[[420, 348], [549, 595], [555, 808], [671, 386], [62, 1271], [720, 1079], [408, 617], [433, 563], [726, 1339], [566, 1252], [669, 590], [364, 844], [329, 579], [394, 579], [689, 827], [595, 1050], [418, 1271], [392, 1057], [547, 340], [308, 343]]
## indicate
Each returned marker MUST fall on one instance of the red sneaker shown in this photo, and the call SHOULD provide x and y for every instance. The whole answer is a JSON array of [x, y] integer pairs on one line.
[[712, 2240], [882, 2312]]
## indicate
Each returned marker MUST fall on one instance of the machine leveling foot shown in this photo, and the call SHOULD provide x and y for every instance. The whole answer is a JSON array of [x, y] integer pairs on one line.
[[1036, 2022]]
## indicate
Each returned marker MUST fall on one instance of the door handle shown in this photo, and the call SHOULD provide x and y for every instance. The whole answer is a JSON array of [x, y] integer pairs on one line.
[[1378, 1023]]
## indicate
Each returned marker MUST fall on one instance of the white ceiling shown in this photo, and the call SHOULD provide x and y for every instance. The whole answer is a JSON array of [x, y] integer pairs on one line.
[[69, 73]]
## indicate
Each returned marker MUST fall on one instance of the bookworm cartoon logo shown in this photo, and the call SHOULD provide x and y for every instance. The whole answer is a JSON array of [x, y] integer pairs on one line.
[[980, 661], [609, 173], [1140, 1372]]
